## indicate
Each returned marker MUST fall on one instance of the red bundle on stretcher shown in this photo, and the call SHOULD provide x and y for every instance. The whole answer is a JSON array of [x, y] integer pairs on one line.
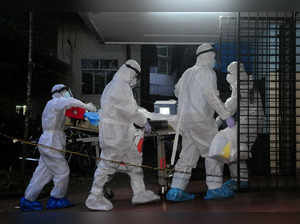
[[75, 112]]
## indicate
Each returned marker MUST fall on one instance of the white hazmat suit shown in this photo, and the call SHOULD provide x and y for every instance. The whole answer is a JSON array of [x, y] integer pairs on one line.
[[52, 164], [251, 120], [198, 100], [117, 135]]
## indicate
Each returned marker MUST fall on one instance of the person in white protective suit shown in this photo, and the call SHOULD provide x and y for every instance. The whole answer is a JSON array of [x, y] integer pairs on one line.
[[120, 120], [251, 120], [52, 164], [198, 100]]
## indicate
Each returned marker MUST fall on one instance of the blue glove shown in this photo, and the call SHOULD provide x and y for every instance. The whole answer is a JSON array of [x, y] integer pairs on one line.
[[148, 128], [93, 117], [230, 122]]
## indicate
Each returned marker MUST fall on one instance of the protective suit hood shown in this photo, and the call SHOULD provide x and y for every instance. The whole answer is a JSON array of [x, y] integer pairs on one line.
[[232, 67], [61, 90], [205, 54], [128, 72], [231, 77], [246, 81]]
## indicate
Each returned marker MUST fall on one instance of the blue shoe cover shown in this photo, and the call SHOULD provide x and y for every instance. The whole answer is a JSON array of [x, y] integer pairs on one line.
[[54, 203], [27, 206], [219, 193], [176, 194], [232, 185]]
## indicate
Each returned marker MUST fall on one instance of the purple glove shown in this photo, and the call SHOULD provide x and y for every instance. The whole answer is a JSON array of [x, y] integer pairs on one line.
[[230, 122], [148, 128]]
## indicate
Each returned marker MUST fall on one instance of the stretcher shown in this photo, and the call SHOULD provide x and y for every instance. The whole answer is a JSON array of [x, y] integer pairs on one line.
[[162, 130]]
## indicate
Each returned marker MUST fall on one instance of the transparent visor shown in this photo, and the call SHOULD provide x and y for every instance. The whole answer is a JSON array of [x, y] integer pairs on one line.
[[67, 93], [231, 79], [135, 81]]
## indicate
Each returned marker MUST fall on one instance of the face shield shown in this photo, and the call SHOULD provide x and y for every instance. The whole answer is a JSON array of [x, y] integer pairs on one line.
[[204, 48], [213, 60], [135, 83], [67, 93], [208, 56], [136, 79], [231, 79], [64, 91]]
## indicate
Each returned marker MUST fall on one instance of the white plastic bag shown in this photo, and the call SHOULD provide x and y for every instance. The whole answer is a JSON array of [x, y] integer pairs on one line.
[[224, 145]]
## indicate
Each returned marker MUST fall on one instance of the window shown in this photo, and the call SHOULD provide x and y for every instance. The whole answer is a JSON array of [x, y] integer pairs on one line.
[[87, 82], [163, 59], [161, 81], [21, 109], [166, 64], [162, 65], [96, 74], [162, 51]]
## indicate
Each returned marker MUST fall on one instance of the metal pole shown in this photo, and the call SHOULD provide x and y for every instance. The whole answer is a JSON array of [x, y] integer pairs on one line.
[[238, 99], [293, 82], [28, 89]]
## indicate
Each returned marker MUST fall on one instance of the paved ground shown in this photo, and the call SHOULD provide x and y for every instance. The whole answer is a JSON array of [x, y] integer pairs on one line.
[[253, 207]]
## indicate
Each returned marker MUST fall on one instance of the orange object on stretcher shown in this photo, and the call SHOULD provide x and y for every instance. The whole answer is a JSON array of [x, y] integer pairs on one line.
[[75, 112], [140, 145]]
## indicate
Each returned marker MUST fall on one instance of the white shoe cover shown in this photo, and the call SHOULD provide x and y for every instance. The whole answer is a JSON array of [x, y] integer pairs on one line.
[[100, 203], [144, 197]]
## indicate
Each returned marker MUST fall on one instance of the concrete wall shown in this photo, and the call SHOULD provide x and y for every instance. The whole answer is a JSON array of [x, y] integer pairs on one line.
[[76, 42]]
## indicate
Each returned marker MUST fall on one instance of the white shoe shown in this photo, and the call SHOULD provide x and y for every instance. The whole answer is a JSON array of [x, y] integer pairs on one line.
[[98, 202], [144, 197]]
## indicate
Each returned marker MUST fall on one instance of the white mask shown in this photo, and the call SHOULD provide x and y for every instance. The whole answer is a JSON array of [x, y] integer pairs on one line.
[[213, 63], [212, 58], [66, 94], [133, 83], [231, 79]]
